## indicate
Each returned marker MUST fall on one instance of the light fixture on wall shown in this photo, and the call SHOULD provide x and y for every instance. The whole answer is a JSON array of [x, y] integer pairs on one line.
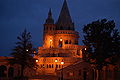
[[50, 40], [60, 39], [36, 60], [56, 60]]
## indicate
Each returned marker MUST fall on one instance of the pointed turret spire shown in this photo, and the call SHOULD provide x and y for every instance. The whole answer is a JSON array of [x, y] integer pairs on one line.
[[64, 21], [49, 20]]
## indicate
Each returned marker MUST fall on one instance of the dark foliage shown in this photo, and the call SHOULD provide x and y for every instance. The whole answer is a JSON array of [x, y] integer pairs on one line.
[[102, 41], [22, 53]]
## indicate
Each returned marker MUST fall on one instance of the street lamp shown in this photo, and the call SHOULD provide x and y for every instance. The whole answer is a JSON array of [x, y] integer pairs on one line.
[[50, 43], [60, 39], [56, 60], [34, 52], [26, 49], [50, 40], [62, 63], [36, 60], [56, 65]]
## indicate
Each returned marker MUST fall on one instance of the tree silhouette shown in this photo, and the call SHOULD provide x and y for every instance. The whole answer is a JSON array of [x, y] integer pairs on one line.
[[22, 53], [102, 41]]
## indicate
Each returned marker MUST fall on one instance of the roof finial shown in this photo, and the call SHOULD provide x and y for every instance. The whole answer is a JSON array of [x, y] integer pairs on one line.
[[49, 20], [50, 13]]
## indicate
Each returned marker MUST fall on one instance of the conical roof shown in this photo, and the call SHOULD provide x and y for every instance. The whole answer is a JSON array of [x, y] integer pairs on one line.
[[49, 20], [64, 21]]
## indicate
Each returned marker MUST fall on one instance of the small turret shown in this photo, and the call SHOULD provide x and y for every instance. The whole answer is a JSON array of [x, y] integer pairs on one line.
[[49, 23], [49, 20], [49, 28]]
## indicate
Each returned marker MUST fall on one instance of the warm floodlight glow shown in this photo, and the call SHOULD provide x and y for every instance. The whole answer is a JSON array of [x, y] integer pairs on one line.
[[56, 60], [62, 63], [85, 48], [26, 49], [60, 39], [34, 52], [36, 60], [50, 40]]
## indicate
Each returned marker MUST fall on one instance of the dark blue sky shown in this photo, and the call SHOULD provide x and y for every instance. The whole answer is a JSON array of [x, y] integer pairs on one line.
[[16, 15]]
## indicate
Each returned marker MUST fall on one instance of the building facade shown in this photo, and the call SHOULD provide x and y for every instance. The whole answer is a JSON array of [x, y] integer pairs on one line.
[[60, 56], [60, 43]]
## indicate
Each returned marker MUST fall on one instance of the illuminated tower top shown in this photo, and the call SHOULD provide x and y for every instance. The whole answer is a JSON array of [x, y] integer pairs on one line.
[[64, 21]]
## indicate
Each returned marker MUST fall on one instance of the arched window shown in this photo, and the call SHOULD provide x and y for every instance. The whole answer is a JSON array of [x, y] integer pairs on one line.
[[11, 72], [60, 43], [70, 42], [49, 65], [43, 66], [56, 65], [66, 41], [52, 66], [59, 66], [2, 71]]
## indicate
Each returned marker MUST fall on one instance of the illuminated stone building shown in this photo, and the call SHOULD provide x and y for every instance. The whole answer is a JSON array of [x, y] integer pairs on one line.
[[60, 52], [60, 43]]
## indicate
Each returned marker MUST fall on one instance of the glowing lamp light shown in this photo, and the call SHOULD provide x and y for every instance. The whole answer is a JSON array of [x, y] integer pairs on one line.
[[26, 49], [60, 39], [85, 48], [34, 52], [56, 60], [36, 60], [50, 40], [62, 63]]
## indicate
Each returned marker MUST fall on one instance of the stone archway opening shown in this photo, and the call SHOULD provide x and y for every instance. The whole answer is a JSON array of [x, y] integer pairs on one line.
[[3, 70], [11, 72]]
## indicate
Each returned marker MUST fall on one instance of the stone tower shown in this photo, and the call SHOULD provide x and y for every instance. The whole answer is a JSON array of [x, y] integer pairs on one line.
[[49, 28], [60, 43]]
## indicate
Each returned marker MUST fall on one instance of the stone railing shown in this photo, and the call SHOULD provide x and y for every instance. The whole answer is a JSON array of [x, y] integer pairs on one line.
[[70, 46], [66, 32]]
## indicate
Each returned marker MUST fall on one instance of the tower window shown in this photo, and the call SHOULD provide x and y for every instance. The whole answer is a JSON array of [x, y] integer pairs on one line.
[[49, 66], [56, 65], [43, 66], [60, 43], [66, 41], [70, 42], [59, 66], [50, 43], [52, 66]]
